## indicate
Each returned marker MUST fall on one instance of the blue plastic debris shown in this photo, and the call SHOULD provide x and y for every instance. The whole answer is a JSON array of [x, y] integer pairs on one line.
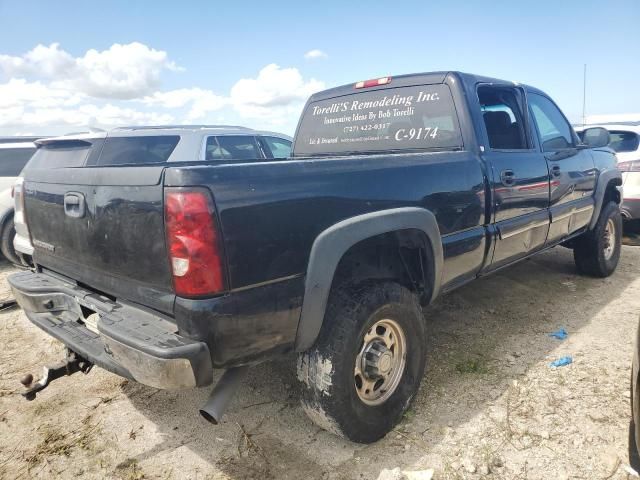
[[561, 362], [560, 334]]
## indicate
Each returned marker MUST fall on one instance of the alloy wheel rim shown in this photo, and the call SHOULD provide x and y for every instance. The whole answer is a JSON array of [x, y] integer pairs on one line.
[[381, 361], [609, 239]]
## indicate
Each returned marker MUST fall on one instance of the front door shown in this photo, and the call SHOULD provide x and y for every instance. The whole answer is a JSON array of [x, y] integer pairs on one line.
[[573, 176], [520, 182]]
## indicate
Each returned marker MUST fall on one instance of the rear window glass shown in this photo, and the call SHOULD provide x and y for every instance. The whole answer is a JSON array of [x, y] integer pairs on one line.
[[60, 154], [623, 141], [13, 160], [390, 119], [232, 147], [137, 150]]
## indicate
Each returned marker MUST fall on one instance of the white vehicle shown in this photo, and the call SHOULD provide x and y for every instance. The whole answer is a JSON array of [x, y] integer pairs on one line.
[[14, 154], [199, 143], [625, 141]]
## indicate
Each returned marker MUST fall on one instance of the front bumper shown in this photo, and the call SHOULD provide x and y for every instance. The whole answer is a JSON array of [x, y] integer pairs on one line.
[[126, 340]]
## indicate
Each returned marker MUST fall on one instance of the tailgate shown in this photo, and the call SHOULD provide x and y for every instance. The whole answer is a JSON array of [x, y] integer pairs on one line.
[[102, 226]]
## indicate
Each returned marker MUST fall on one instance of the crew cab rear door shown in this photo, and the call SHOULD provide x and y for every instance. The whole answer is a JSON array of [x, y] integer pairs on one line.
[[94, 206], [520, 184]]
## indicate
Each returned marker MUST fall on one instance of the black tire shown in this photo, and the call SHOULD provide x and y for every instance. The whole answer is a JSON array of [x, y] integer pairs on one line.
[[6, 242], [329, 394], [589, 249], [634, 455]]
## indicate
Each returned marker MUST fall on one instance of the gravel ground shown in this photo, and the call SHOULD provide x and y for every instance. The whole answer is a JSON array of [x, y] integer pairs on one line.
[[490, 406]]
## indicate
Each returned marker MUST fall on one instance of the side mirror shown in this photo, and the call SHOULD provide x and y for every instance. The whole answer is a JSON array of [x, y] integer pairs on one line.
[[595, 137]]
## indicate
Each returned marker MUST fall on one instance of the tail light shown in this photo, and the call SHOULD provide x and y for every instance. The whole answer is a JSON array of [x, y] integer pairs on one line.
[[633, 166], [193, 242], [19, 217]]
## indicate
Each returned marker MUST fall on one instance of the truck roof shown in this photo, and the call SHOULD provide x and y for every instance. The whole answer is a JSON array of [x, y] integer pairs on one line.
[[418, 79], [149, 130], [7, 145], [190, 128], [19, 139]]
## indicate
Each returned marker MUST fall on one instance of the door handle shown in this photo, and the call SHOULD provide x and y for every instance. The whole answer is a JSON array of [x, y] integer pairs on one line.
[[74, 204], [555, 170], [508, 178]]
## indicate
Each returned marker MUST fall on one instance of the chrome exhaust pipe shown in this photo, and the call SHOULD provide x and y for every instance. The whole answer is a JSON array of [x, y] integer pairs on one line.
[[222, 393]]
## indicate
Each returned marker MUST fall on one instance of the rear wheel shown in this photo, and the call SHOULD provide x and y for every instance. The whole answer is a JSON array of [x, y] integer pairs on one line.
[[367, 364], [597, 252], [6, 242]]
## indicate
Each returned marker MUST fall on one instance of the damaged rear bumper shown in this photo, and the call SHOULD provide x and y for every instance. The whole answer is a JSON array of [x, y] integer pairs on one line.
[[122, 338]]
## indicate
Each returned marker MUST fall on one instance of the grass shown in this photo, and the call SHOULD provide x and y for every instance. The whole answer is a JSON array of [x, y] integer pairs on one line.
[[471, 366], [40, 408], [59, 443], [450, 473], [408, 415], [130, 470]]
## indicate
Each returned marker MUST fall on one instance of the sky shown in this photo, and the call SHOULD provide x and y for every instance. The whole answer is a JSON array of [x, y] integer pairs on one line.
[[68, 65]]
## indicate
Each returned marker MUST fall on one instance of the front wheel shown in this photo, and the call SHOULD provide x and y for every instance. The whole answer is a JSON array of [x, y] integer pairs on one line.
[[366, 366], [597, 252]]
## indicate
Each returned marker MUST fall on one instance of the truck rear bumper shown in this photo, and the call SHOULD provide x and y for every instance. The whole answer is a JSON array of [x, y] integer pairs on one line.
[[124, 339]]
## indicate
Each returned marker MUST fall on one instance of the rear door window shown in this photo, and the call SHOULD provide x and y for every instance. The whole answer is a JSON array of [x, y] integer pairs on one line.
[[213, 150], [503, 118], [279, 147], [13, 160], [142, 150], [232, 147], [389, 119]]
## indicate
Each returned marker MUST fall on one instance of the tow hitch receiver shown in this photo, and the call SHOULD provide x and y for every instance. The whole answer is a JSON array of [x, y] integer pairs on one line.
[[70, 365]]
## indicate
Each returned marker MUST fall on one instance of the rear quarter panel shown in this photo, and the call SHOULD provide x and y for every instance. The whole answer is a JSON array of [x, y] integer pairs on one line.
[[271, 212]]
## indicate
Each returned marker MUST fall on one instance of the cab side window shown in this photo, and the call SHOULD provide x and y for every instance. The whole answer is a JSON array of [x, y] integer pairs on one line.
[[279, 147], [137, 150], [213, 150], [503, 118], [232, 147], [555, 132]]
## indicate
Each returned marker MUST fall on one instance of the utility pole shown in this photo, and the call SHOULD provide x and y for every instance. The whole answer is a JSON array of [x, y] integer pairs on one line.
[[584, 96]]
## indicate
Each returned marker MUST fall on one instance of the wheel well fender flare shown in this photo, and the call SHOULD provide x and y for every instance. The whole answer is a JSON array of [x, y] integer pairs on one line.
[[330, 246], [608, 178]]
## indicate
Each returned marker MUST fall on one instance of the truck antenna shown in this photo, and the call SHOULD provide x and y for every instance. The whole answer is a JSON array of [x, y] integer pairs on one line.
[[584, 95]]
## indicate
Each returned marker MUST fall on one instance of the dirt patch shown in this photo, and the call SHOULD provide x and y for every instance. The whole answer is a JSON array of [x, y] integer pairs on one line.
[[490, 405]]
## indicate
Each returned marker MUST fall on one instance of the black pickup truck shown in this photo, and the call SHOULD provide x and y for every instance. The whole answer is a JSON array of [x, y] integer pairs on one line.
[[160, 268]]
